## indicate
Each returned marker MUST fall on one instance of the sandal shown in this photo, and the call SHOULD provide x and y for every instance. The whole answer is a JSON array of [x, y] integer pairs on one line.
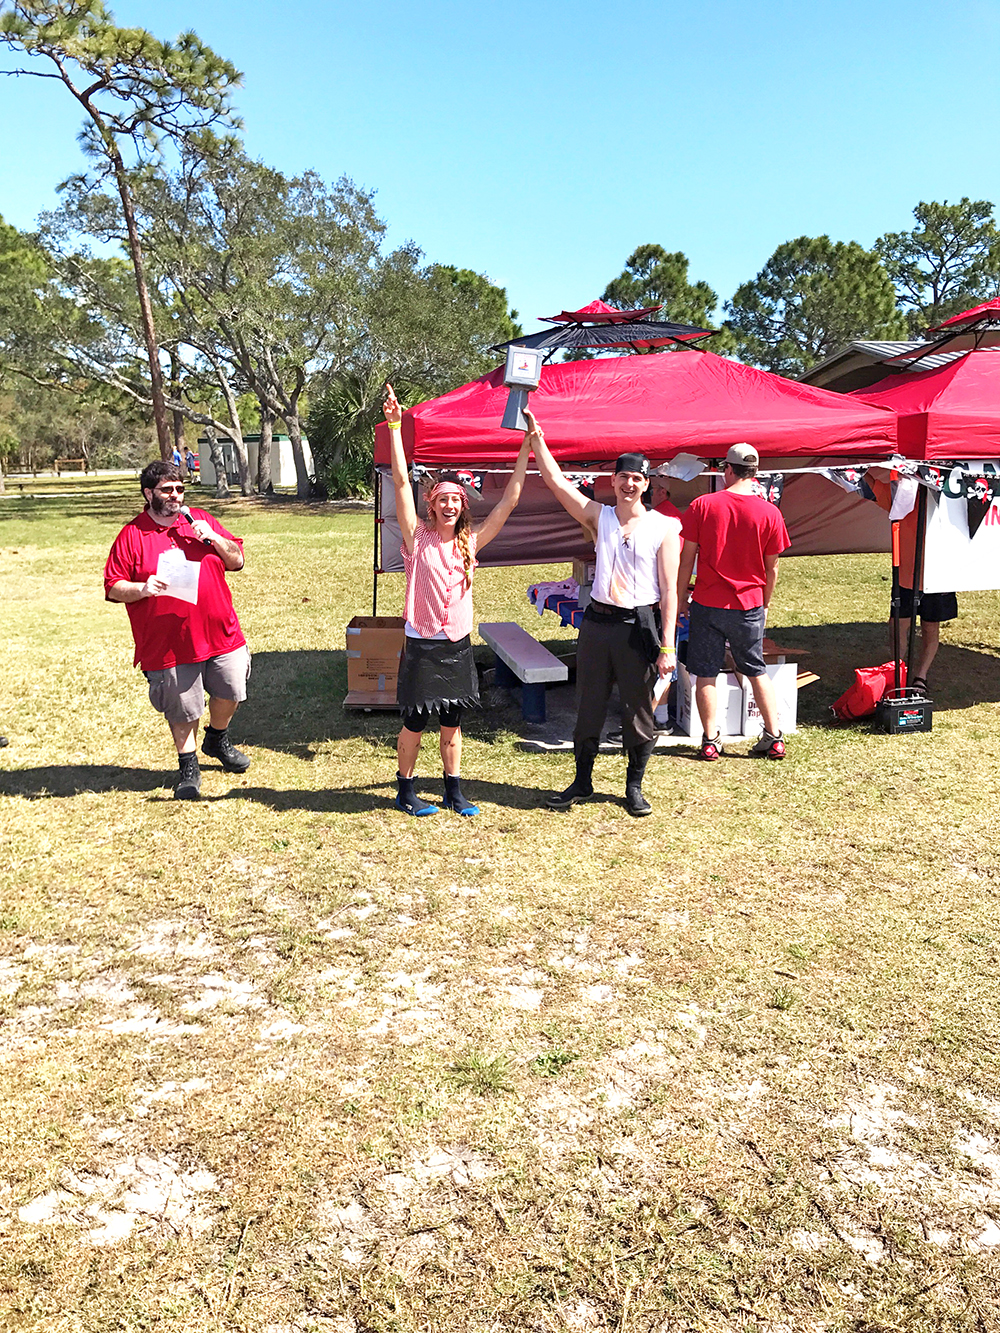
[[919, 683]]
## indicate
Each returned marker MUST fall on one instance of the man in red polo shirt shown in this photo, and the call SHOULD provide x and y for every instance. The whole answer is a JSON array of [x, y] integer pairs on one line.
[[169, 568], [737, 538]]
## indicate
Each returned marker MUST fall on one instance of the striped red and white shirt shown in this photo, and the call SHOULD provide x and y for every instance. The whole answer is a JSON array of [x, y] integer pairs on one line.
[[437, 599]]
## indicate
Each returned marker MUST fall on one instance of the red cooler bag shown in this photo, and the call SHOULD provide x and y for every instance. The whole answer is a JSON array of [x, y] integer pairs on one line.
[[870, 683]]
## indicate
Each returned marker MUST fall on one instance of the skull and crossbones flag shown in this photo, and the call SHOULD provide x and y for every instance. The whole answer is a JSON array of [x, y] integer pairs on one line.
[[979, 493], [472, 481], [933, 477], [850, 479], [769, 486], [583, 481]]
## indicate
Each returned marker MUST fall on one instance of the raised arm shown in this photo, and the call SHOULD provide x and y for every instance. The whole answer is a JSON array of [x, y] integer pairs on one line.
[[406, 512], [502, 510], [583, 510]]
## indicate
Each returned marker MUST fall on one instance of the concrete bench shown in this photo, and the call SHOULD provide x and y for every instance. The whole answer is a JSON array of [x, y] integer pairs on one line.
[[521, 659]]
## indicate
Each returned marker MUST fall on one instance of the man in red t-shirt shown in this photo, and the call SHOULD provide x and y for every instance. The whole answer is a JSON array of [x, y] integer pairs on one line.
[[737, 538], [169, 568]]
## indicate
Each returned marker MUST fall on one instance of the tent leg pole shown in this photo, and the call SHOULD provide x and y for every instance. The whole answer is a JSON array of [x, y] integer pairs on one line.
[[894, 604], [375, 560], [918, 577]]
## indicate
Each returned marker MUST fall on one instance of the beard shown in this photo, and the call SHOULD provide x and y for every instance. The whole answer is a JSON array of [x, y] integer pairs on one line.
[[159, 505]]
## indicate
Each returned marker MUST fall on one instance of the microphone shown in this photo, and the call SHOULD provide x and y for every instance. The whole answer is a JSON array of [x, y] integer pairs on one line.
[[187, 514]]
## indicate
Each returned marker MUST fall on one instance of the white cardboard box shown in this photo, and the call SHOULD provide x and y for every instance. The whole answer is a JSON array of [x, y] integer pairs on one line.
[[738, 714], [731, 705], [784, 676]]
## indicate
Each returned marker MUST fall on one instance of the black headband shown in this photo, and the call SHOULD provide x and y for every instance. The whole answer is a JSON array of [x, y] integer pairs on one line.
[[633, 463]]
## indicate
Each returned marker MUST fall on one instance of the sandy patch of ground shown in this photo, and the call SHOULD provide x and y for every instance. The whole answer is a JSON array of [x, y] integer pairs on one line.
[[136, 1195]]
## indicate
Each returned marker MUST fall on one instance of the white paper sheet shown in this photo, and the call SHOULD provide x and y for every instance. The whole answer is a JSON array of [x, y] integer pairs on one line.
[[661, 687], [181, 575]]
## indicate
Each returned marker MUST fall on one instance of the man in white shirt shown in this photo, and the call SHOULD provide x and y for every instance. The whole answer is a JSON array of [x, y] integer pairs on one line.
[[637, 554]]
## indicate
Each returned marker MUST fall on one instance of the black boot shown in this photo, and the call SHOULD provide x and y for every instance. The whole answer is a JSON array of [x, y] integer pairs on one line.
[[453, 798], [188, 786], [638, 757], [218, 745], [582, 786], [407, 799]]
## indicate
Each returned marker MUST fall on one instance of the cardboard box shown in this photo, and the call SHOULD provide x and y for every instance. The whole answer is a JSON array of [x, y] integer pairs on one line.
[[584, 571], [784, 676], [730, 701], [374, 647]]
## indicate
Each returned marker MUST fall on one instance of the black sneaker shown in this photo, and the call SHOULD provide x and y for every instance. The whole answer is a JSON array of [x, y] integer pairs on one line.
[[218, 746], [188, 786]]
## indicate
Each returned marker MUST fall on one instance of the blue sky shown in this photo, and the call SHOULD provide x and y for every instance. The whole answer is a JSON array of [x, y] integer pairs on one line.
[[541, 144]]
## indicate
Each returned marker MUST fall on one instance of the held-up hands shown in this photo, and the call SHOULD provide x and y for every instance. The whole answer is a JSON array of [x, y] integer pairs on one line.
[[534, 431], [390, 406]]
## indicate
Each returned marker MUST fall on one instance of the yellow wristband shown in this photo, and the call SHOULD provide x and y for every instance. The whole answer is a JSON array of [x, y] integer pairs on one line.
[[394, 425]]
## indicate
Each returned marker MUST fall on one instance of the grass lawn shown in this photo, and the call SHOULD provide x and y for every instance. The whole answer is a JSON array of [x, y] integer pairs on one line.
[[285, 1060]]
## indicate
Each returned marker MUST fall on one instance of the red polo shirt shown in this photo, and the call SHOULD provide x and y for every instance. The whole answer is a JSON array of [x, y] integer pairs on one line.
[[167, 631]]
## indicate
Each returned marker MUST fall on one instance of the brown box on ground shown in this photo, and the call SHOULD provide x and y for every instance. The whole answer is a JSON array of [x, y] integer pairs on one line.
[[374, 645]]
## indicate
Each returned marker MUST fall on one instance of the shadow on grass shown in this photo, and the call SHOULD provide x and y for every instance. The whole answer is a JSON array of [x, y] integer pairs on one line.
[[382, 796], [296, 702], [75, 779], [112, 509], [960, 678]]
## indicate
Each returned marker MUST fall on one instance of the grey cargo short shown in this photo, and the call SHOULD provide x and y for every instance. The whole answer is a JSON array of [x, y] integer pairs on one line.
[[178, 692]]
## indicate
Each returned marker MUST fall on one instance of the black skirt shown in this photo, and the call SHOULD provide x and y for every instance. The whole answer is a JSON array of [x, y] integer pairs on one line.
[[436, 674]]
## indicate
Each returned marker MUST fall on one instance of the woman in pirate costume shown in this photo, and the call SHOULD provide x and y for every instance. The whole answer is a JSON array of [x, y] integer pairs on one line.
[[438, 674]]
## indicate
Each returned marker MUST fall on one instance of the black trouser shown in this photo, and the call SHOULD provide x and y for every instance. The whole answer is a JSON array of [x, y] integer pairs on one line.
[[610, 651]]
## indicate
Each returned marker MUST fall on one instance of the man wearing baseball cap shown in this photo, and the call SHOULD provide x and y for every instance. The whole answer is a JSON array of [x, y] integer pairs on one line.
[[620, 643], [737, 538]]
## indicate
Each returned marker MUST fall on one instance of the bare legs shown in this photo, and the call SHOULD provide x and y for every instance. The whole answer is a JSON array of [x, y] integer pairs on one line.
[[408, 748], [930, 642], [220, 714], [451, 750], [706, 696]]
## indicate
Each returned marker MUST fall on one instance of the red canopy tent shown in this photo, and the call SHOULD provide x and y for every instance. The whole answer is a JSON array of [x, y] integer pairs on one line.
[[987, 313], [952, 411], [679, 402], [684, 402]]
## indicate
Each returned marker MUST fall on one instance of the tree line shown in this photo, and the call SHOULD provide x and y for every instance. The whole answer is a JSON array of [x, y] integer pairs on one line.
[[814, 294], [182, 281]]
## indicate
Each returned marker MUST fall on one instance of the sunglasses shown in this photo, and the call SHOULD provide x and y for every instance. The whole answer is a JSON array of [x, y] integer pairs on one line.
[[168, 489]]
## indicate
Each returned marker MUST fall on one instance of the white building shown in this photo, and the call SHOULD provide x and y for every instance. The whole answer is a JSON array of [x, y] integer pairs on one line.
[[282, 462]]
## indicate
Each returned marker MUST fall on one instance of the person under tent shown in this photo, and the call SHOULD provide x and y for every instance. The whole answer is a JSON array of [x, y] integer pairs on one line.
[[936, 608]]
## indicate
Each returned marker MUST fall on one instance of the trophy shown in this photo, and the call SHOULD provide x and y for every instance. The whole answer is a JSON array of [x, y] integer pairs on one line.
[[521, 374]]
